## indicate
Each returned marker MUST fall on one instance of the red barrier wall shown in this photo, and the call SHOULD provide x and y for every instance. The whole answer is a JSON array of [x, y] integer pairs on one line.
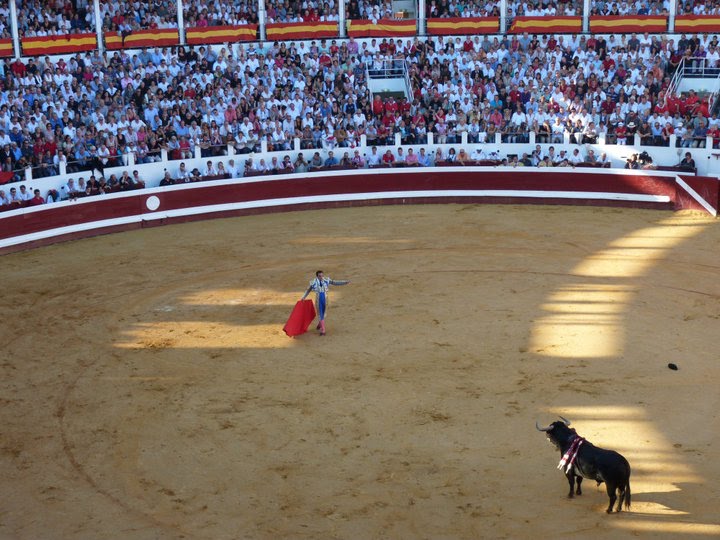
[[46, 224]]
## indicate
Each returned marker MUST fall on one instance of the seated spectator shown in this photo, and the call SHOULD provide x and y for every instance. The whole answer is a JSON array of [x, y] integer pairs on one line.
[[37, 199], [388, 158], [167, 179], [316, 162], [687, 163], [374, 158], [331, 160], [575, 158], [300, 164], [412, 158], [232, 170], [183, 174], [24, 195], [424, 159], [463, 157], [286, 166], [357, 160], [209, 169]]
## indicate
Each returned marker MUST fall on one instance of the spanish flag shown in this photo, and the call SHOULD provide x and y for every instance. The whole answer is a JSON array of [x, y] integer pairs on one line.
[[221, 34], [383, 28], [628, 24], [545, 25], [69, 43], [6, 48], [143, 38], [697, 23], [301, 30], [460, 25]]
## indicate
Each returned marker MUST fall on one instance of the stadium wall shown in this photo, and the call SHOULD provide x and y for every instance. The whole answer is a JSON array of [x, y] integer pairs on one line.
[[47, 224]]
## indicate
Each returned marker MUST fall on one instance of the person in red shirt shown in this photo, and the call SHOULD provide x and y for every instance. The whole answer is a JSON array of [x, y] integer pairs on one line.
[[690, 103], [514, 95], [607, 106], [621, 133], [37, 199], [378, 107], [388, 158], [391, 106], [18, 68]]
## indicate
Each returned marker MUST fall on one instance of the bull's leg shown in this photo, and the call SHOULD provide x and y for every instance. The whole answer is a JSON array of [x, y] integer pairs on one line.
[[623, 491], [571, 480], [578, 491], [611, 493]]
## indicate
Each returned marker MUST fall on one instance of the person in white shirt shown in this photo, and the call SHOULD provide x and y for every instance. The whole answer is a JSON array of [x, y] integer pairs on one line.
[[374, 158], [232, 170], [478, 154], [209, 169], [183, 173], [24, 194], [576, 157]]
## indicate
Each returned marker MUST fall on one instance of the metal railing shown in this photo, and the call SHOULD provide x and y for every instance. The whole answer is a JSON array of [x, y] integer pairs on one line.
[[675, 81]]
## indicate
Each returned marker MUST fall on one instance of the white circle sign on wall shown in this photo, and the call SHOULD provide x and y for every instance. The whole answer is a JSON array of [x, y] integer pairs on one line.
[[153, 203]]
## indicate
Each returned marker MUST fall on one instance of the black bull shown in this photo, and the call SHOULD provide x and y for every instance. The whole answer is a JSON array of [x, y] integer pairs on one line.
[[592, 463]]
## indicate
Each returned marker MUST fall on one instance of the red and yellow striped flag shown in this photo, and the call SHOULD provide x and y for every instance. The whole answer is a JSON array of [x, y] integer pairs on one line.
[[221, 34], [6, 48], [69, 43], [143, 38], [628, 23], [383, 28], [697, 23], [461, 25], [544, 25], [302, 30]]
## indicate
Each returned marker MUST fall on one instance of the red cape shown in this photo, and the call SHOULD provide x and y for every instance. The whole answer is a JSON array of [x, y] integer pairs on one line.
[[300, 319]]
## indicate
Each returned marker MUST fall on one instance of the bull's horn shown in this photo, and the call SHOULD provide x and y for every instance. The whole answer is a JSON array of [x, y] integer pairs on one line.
[[540, 428], [565, 420]]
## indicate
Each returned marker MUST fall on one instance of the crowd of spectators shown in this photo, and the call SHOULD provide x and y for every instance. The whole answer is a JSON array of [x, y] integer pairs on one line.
[[54, 17], [125, 17], [698, 7], [623, 8], [225, 12], [91, 112], [5, 28]]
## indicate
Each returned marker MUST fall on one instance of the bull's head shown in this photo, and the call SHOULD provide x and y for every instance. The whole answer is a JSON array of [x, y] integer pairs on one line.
[[558, 432]]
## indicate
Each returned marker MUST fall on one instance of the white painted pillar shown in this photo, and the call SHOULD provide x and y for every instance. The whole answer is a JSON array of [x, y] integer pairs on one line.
[[181, 22], [503, 16], [422, 18], [98, 26], [262, 20], [15, 29], [673, 12], [342, 19], [586, 16]]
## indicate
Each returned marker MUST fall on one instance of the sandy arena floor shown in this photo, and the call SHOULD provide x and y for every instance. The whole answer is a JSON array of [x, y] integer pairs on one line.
[[148, 391]]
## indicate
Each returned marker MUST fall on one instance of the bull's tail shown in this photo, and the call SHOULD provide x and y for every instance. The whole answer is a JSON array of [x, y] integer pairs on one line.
[[628, 495]]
